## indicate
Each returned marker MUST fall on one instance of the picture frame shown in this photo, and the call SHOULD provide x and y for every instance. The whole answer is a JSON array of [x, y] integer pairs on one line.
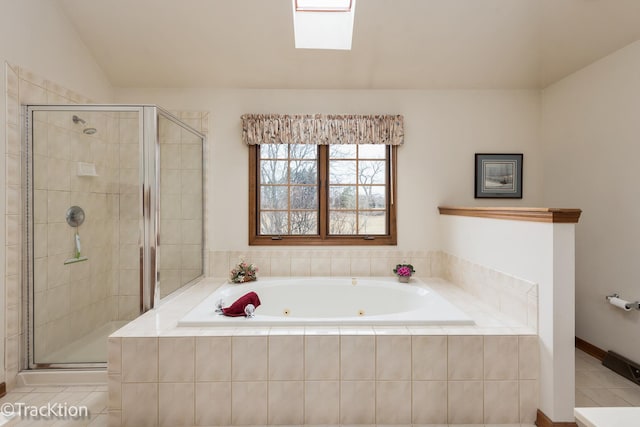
[[498, 176]]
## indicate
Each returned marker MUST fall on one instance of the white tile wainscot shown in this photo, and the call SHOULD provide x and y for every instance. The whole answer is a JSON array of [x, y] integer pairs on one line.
[[160, 374]]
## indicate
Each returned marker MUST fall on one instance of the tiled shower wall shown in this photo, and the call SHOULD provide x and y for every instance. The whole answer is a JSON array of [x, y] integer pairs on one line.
[[71, 300]]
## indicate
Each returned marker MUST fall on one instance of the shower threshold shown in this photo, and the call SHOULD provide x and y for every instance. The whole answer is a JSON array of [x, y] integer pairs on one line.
[[80, 362], [54, 377], [89, 348]]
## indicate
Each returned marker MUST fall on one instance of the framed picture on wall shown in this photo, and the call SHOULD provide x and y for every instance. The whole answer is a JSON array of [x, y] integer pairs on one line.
[[498, 176]]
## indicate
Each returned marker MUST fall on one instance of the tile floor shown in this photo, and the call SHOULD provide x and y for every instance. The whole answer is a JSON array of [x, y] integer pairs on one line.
[[595, 386], [599, 386], [93, 397]]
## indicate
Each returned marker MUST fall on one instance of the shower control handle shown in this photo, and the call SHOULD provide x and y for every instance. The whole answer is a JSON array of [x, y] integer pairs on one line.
[[75, 216]]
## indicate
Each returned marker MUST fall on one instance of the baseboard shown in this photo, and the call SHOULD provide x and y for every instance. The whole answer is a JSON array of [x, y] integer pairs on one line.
[[543, 421], [590, 349], [3, 389]]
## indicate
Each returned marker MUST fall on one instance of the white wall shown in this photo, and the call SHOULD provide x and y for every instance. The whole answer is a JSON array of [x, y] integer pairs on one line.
[[37, 35], [591, 145], [443, 130]]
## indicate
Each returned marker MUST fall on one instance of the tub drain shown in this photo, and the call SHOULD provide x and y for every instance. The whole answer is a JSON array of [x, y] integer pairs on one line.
[[286, 312]]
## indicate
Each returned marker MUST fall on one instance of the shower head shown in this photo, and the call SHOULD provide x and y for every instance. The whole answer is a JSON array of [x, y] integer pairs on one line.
[[86, 131]]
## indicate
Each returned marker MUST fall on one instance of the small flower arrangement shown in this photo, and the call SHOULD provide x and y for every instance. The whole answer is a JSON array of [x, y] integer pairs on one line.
[[404, 271], [243, 272]]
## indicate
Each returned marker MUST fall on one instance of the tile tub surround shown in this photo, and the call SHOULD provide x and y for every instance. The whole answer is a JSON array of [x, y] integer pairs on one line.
[[305, 262], [160, 374], [508, 294]]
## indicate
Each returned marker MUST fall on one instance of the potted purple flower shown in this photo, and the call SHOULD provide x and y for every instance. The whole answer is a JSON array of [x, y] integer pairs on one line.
[[404, 272]]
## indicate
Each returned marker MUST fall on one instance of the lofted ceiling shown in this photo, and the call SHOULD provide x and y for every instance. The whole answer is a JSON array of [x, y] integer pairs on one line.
[[397, 44]]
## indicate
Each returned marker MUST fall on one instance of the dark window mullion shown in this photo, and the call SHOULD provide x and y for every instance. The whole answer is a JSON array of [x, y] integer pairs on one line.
[[357, 231], [289, 189], [323, 190], [389, 182]]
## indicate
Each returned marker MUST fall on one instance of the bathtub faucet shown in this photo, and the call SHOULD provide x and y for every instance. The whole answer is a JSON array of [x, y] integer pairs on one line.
[[219, 305], [250, 310]]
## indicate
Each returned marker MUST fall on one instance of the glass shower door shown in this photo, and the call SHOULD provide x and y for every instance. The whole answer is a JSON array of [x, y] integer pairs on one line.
[[181, 204]]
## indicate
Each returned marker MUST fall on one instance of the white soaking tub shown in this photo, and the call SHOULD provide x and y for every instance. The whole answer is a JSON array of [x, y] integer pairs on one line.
[[331, 301]]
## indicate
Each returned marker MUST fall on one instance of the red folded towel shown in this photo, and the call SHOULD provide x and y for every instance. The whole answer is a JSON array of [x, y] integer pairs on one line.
[[237, 308]]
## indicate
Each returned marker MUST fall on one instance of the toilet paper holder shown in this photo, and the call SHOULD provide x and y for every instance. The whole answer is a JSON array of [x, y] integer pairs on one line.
[[633, 305]]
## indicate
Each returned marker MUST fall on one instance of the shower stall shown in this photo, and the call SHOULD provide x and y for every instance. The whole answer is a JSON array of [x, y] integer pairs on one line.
[[113, 223]]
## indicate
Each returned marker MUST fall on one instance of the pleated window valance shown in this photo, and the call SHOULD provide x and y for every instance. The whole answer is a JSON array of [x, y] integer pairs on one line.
[[322, 129]]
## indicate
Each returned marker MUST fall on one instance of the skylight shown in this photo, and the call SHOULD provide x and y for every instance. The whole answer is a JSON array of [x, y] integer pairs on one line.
[[314, 28], [323, 5]]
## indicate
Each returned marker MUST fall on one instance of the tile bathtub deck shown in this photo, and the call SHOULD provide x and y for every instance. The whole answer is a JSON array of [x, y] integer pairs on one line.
[[162, 322]]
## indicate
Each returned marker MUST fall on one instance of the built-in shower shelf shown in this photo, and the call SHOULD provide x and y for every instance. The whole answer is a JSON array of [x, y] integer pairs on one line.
[[86, 169]]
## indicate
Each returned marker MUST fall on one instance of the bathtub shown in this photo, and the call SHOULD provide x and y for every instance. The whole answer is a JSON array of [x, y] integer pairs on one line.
[[331, 301]]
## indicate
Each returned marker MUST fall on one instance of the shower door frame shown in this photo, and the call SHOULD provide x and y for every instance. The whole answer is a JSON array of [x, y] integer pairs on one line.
[[149, 215]]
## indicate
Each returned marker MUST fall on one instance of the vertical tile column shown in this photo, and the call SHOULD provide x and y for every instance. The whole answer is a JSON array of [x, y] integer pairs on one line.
[[139, 382], [393, 379], [176, 376], [13, 220], [128, 256], [429, 379], [114, 381], [212, 381]]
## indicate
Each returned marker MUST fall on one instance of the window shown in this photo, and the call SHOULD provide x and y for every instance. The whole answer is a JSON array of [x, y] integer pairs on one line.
[[323, 24], [308, 194], [322, 5], [288, 192]]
